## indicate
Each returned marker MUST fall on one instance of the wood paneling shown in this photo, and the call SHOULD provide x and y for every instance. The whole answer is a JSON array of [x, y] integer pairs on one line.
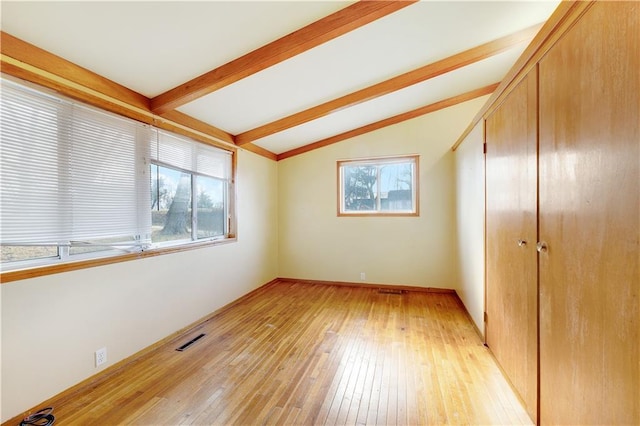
[[565, 15], [407, 79], [301, 353], [328, 28], [511, 230], [589, 218]]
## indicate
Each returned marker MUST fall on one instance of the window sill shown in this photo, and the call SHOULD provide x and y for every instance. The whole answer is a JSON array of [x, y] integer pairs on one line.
[[378, 214], [39, 271]]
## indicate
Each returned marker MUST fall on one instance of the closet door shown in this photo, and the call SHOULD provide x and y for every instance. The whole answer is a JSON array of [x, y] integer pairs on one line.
[[589, 220], [511, 227]]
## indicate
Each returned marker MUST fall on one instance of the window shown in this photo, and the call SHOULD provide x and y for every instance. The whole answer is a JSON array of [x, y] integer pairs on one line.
[[383, 186], [78, 183], [189, 190]]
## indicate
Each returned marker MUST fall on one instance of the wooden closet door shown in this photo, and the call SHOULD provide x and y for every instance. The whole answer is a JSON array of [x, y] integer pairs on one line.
[[511, 232], [589, 220]]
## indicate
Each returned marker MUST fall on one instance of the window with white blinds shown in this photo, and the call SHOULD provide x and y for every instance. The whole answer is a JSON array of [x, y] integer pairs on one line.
[[78, 181], [175, 151], [190, 186]]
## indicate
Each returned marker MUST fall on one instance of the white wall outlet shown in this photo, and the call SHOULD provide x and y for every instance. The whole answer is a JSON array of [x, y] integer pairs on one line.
[[101, 356], [363, 276]]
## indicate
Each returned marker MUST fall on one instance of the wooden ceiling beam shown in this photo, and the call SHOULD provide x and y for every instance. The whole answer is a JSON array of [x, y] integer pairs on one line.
[[445, 103], [197, 125], [260, 151], [407, 79], [321, 31], [28, 62], [36, 57]]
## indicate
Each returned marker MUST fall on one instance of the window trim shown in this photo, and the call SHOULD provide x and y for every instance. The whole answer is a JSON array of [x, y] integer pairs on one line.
[[53, 265], [380, 160], [74, 265]]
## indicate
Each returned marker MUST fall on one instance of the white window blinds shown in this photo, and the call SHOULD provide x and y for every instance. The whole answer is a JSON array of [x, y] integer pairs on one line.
[[72, 175], [30, 181], [173, 151], [69, 172]]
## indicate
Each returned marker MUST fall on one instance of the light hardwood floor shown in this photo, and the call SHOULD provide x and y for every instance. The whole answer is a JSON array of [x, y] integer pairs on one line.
[[301, 353]]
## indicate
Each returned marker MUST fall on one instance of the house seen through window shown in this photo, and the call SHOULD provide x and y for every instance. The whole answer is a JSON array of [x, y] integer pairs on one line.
[[384, 186]]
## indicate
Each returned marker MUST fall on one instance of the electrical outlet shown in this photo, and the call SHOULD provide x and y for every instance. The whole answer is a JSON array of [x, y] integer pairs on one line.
[[101, 356], [362, 276]]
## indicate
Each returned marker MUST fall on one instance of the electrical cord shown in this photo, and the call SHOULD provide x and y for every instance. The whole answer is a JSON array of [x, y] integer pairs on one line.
[[39, 418]]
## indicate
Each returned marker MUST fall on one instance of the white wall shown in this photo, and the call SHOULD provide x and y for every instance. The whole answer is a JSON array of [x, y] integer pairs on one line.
[[469, 170], [52, 325], [418, 251]]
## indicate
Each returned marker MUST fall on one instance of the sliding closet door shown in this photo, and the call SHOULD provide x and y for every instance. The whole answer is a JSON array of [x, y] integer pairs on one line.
[[511, 173], [589, 221]]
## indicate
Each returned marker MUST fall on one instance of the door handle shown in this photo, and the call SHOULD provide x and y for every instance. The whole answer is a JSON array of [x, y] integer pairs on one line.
[[541, 247], [522, 243]]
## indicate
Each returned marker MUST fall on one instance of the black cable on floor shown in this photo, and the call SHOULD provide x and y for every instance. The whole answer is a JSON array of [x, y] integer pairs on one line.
[[39, 418]]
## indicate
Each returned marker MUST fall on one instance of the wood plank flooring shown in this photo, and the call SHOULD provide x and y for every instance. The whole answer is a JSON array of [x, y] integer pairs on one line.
[[300, 353]]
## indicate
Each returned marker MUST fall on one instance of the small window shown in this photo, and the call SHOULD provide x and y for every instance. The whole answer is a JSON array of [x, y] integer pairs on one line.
[[378, 186]]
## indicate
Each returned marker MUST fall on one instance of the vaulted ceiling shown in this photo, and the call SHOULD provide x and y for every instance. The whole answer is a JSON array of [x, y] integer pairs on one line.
[[287, 76]]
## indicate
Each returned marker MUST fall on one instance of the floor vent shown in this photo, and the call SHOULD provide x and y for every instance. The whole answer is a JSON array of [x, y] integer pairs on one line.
[[391, 291], [189, 343]]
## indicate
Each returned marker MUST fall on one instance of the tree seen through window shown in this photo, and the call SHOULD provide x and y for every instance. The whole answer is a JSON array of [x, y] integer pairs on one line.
[[381, 186]]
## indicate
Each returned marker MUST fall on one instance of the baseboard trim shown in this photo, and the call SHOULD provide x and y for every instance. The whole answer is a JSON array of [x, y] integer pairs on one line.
[[105, 374], [475, 327], [510, 383], [370, 285]]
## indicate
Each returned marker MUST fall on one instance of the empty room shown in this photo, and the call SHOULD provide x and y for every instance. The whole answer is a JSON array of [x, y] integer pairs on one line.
[[320, 212]]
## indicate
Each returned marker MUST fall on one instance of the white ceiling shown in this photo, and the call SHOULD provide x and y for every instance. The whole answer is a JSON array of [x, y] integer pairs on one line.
[[154, 46]]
